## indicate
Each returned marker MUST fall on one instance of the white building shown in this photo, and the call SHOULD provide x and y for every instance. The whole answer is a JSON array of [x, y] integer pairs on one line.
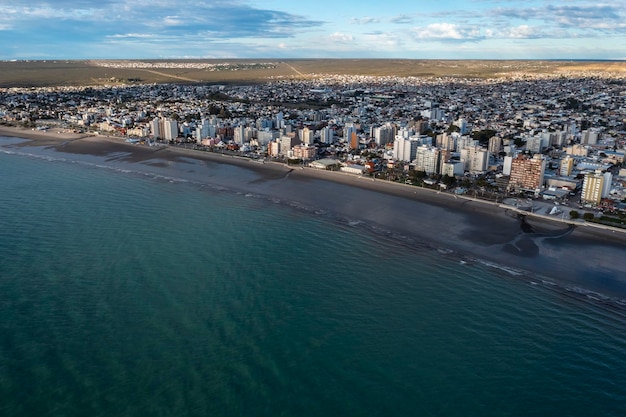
[[475, 159], [154, 129], [452, 168], [383, 134], [404, 149], [266, 135], [589, 137], [327, 135], [465, 142], [427, 159], [170, 129]]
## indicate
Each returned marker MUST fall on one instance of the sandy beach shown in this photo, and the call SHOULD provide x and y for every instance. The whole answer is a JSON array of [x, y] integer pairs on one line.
[[470, 229]]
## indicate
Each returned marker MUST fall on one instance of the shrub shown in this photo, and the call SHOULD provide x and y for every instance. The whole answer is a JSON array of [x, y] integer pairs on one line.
[[574, 214]]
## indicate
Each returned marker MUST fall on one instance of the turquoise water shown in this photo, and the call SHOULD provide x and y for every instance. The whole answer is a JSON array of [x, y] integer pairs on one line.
[[134, 295]]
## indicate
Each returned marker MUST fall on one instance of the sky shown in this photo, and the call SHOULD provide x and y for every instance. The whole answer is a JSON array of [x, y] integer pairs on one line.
[[434, 29]]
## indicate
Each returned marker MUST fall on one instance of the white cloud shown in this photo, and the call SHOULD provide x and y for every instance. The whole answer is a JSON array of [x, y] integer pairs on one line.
[[363, 20], [523, 32], [402, 19], [173, 21], [384, 41], [132, 36], [447, 31], [341, 37]]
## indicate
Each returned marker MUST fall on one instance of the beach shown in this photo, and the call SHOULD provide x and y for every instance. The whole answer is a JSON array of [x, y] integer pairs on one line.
[[471, 229]]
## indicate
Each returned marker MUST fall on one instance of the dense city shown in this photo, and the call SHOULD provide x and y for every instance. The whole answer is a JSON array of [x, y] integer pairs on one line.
[[559, 140]]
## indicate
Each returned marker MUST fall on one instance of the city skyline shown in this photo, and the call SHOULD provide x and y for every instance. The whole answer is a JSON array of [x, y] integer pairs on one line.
[[480, 29]]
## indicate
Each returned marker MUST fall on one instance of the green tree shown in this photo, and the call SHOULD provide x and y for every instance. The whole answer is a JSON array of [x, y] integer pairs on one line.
[[574, 214], [588, 216], [448, 180], [483, 136], [519, 142], [453, 128]]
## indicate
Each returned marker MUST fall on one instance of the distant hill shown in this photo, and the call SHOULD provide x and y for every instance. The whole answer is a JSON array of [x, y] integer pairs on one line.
[[111, 72]]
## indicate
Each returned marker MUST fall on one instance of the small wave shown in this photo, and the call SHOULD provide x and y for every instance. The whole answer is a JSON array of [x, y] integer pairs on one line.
[[35, 156], [507, 269], [592, 295]]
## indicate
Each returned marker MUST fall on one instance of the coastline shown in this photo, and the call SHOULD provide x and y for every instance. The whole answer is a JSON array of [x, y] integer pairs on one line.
[[474, 229]]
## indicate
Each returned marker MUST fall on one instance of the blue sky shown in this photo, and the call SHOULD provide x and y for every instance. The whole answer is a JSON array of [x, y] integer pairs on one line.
[[442, 29]]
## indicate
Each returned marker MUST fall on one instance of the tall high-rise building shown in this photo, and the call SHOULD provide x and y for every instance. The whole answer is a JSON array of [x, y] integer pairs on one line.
[[534, 144], [353, 141], [327, 135], [446, 141], [596, 186], [154, 129], [306, 135], [427, 159], [495, 145], [475, 159], [280, 123], [567, 164], [170, 129], [286, 143], [238, 135], [348, 130], [273, 148], [463, 142], [202, 131], [589, 137], [558, 139], [404, 149], [527, 173], [383, 134]]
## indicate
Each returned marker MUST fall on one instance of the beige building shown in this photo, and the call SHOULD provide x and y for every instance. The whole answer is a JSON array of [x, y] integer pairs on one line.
[[527, 173], [592, 188], [577, 150], [596, 186], [273, 148], [567, 165], [303, 152]]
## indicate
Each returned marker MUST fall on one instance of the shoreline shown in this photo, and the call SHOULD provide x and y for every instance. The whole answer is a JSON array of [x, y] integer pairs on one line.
[[92, 144], [473, 228], [50, 135]]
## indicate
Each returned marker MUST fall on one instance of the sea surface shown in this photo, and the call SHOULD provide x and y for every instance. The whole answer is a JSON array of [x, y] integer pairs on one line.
[[127, 293]]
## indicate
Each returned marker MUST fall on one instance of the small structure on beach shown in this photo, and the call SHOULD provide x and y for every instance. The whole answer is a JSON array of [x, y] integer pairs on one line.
[[325, 163], [353, 169]]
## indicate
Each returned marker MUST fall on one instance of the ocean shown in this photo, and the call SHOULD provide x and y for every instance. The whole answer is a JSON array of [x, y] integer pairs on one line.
[[125, 292]]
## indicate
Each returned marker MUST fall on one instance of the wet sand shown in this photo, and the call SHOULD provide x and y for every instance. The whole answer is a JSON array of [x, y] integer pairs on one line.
[[415, 216]]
